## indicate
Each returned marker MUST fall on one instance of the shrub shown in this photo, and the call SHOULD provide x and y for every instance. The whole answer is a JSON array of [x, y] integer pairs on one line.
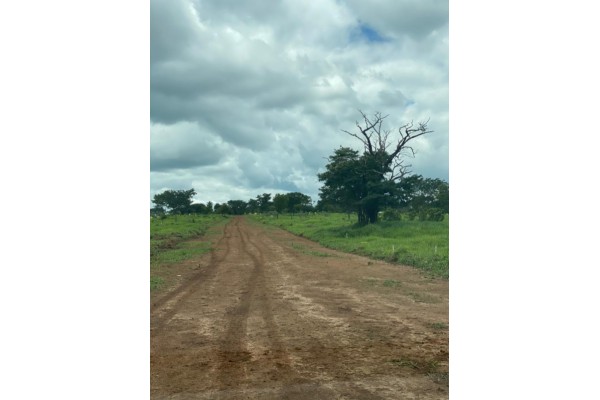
[[391, 215]]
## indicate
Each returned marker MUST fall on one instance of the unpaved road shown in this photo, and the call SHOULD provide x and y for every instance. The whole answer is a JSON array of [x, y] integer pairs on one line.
[[269, 315]]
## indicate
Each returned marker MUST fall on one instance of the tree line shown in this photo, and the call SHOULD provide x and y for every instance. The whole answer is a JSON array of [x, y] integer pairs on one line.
[[417, 196], [180, 202], [377, 183]]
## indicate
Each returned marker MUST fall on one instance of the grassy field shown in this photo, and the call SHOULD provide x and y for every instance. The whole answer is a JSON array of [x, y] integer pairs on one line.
[[422, 244], [170, 242]]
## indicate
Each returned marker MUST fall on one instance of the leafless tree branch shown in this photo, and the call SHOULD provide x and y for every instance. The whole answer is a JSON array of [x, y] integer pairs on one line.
[[378, 140]]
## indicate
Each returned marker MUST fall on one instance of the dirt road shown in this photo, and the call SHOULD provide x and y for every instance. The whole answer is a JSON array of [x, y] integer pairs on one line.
[[269, 315]]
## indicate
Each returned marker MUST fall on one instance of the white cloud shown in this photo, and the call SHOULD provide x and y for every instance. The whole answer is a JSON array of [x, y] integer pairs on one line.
[[250, 97]]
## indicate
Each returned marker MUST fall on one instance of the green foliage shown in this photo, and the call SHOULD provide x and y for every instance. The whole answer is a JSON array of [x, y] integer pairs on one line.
[[264, 202], [198, 208], [391, 215], [222, 209], [157, 211], [280, 201], [291, 202], [252, 206], [422, 244], [342, 187], [156, 282], [237, 207], [356, 182], [174, 201], [427, 214], [298, 202], [419, 194]]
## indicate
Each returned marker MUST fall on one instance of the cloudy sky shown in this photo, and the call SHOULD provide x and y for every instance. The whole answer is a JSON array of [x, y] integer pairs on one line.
[[249, 97]]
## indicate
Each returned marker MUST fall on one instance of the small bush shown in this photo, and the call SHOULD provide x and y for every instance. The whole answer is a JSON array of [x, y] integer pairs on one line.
[[391, 215], [436, 214]]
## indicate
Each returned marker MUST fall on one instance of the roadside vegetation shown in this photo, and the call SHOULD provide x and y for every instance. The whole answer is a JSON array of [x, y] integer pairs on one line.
[[171, 242], [421, 244]]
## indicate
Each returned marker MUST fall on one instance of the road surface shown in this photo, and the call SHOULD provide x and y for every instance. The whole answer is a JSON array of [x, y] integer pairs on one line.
[[269, 315]]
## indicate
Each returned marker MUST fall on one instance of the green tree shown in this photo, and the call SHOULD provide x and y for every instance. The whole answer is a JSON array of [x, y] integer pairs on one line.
[[222, 209], [175, 201], [157, 211], [367, 182], [298, 202], [407, 190], [264, 202], [237, 207], [419, 194], [252, 206], [280, 202], [198, 208], [443, 196]]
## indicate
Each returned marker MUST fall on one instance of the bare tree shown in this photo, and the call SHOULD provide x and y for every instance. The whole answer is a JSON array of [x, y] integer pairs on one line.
[[368, 181], [377, 141]]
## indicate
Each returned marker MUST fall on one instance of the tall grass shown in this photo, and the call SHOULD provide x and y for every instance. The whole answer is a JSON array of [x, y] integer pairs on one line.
[[169, 242], [422, 244]]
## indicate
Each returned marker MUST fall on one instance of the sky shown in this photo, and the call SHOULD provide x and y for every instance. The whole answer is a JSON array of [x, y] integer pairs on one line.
[[251, 97]]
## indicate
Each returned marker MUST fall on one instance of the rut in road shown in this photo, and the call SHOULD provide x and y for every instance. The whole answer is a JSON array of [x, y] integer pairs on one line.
[[262, 319], [234, 347]]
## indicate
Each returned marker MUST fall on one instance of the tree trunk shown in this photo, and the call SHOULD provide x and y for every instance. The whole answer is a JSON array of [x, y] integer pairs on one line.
[[372, 215], [362, 217]]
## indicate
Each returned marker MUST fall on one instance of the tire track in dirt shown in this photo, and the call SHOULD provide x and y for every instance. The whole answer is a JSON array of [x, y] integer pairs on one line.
[[358, 323], [234, 351], [269, 320], [292, 381], [173, 300]]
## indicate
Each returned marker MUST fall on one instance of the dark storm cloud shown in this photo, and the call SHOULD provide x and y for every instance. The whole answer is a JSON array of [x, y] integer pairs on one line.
[[171, 29]]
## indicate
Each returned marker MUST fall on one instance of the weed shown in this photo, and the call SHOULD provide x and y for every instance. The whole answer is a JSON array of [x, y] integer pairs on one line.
[[156, 282], [429, 367], [391, 283], [439, 326]]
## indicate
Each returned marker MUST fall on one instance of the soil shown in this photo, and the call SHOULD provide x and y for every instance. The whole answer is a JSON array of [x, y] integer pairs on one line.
[[270, 315]]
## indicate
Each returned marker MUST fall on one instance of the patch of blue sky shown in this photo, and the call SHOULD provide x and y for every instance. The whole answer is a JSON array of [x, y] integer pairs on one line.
[[364, 32]]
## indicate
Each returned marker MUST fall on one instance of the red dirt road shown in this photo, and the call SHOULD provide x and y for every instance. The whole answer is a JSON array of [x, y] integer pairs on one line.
[[268, 315]]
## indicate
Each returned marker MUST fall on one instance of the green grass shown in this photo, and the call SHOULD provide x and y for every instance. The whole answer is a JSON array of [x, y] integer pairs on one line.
[[430, 366], [422, 244], [170, 242], [156, 282], [391, 283]]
